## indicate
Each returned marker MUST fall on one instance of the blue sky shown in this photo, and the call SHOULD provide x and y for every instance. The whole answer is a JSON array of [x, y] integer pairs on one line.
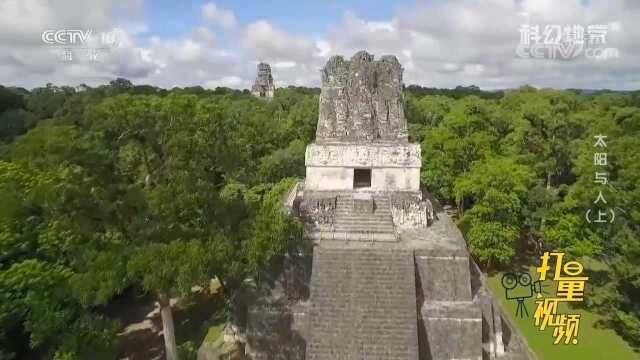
[[171, 18], [219, 42]]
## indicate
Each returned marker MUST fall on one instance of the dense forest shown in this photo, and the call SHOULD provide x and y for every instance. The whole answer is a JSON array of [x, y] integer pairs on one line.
[[120, 186]]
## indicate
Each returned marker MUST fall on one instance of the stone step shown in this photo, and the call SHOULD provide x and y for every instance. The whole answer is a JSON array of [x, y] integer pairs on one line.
[[362, 230], [362, 223], [362, 305], [349, 210], [363, 227], [379, 217], [368, 219], [376, 199], [365, 218], [377, 204], [362, 213], [357, 220], [354, 236], [349, 206]]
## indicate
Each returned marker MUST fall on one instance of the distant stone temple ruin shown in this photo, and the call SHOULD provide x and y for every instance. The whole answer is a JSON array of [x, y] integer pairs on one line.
[[390, 276], [263, 86]]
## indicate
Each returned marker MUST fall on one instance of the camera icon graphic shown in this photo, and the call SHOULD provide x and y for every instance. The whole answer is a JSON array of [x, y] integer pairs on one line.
[[520, 286]]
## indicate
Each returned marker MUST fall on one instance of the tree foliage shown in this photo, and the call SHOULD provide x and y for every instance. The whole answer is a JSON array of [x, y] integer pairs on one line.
[[160, 191], [520, 169], [132, 186]]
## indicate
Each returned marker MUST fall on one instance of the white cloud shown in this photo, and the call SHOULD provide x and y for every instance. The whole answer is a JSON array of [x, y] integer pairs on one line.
[[202, 34], [441, 44], [284, 64], [324, 48], [450, 67], [219, 16], [269, 43], [473, 69], [473, 42], [136, 28]]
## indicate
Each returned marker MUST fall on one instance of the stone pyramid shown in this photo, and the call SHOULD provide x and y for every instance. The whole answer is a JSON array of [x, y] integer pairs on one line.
[[390, 276]]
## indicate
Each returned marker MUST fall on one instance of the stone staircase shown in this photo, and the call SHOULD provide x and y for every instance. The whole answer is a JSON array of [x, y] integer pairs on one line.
[[363, 305], [356, 225]]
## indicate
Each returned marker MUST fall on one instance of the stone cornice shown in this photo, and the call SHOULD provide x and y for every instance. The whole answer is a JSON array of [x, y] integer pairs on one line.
[[360, 155]]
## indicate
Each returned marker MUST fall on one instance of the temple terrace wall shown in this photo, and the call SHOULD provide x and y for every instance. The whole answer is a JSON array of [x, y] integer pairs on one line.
[[393, 168]]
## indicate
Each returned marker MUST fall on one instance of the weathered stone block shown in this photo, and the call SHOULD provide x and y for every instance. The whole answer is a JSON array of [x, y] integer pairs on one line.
[[361, 100], [453, 330], [444, 278]]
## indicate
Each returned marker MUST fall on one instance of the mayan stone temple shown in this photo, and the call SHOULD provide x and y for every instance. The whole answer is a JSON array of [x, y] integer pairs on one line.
[[263, 86], [390, 276]]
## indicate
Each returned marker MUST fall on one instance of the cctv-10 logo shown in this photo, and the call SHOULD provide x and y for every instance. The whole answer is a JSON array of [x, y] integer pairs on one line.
[[520, 286], [68, 37]]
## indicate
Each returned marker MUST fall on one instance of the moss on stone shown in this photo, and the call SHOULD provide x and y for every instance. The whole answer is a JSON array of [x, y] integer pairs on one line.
[[213, 333]]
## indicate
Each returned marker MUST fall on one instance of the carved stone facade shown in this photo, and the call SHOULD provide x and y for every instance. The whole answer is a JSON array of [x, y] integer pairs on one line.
[[409, 212], [371, 155], [263, 87]]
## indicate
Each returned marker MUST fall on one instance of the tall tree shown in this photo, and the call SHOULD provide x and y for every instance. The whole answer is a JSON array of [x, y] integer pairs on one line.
[[497, 188]]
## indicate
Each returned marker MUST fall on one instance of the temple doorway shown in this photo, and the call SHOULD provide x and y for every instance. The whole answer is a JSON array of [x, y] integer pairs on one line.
[[361, 178]]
